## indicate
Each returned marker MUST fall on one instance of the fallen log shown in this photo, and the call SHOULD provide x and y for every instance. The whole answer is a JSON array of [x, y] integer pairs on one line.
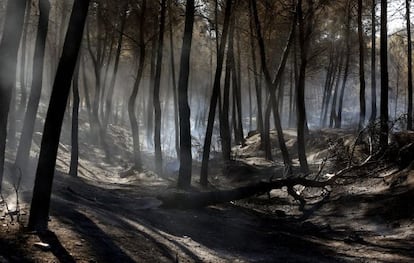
[[188, 200]]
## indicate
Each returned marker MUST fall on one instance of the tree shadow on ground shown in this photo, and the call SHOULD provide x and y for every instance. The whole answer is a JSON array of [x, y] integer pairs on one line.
[[240, 235], [105, 248], [12, 252], [56, 247], [231, 231], [224, 229], [105, 244]]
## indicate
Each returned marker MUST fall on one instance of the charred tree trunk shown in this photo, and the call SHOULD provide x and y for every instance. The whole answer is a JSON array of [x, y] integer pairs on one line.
[[330, 79], [23, 54], [11, 133], [304, 34], [97, 61], [291, 94], [109, 96], [333, 119], [361, 68], [373, 63], [214, 96], [249, 88], [238, 136], [238, 93], [259, 120], [133, 98], [281, 96], [184, 176], [23, 151], [273, 85], [409, 68], [39, 209], [174, 84], [157, 82], [108, 63], [87, 98], [294, 83], [9, 46], [384, 77], [225, 133], [150, 103], [338, 124], [74, 156]]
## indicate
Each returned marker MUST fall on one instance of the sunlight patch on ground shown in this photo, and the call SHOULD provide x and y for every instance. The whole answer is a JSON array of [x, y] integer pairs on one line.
[[170, 241]]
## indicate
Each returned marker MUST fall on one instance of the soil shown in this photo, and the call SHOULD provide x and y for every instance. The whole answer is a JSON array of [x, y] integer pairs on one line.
[[109, 215]]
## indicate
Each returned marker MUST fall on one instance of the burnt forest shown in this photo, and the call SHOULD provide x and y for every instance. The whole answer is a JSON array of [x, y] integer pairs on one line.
[[206, 131]]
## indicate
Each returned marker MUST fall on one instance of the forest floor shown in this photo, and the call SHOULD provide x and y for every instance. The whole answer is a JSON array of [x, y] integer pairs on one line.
[[110, 215]]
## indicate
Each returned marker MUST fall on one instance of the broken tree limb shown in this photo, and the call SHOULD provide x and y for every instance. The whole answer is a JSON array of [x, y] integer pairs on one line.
[[189, 200]]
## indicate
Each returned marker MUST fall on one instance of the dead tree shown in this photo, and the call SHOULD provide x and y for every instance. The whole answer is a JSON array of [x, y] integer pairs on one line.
[[110, 92], [184, 176], [384, 76], [305, 30], [409, 69], [156, 91], [373, 63], [272, 85], [74, 151], [39, 209], [362, 101], [132, 99], [23, 151], [9, 46], [215, 96]]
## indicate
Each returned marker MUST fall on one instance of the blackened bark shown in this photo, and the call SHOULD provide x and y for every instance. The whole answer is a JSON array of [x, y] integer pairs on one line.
[[74, 151], [304, 35], [281, 96], [156, 94], [9, 46], [110, 93], [373, 63], [39, 209], [333, 119], [238, 100], [132, 99], [23, 54], [225, 133], [97, 61], [330, 78], [361, 68], [23, 151], [271, 86], [214, 96], [384, 77], [87, 98], [259, 121], [409, 69], [249, 88], [338, 124], [150, 104], [184, 176], [174, 83], [292, 90]]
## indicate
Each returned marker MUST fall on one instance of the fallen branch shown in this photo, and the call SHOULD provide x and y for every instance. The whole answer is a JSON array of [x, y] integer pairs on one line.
[[187, 200]]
